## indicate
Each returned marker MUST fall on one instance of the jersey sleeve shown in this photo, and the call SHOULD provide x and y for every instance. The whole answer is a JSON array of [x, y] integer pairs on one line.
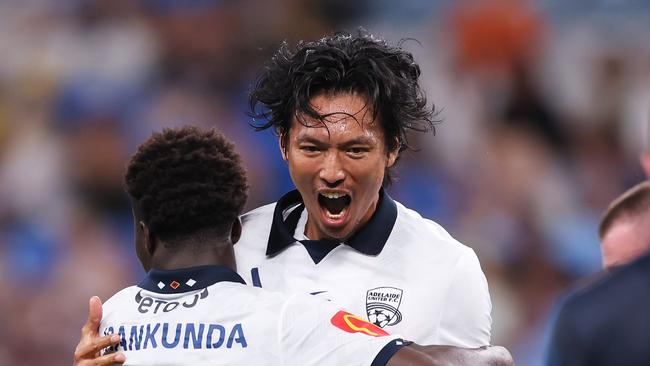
[[107, 312], [104, 327], [466, 319], [315, 332]]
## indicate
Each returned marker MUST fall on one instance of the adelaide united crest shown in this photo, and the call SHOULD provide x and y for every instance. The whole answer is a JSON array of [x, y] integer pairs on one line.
[[382, 306]]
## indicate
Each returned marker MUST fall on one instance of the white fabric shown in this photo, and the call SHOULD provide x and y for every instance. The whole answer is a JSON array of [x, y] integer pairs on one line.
[[444, 294], [259, 327]]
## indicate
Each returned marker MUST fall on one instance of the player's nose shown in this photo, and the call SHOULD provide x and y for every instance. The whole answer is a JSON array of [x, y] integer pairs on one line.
[[332, 171]]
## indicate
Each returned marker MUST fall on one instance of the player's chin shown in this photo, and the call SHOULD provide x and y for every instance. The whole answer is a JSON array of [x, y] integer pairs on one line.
[[336, 232]]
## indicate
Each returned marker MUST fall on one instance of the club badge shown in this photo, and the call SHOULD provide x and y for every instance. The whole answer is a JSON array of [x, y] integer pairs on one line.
[[382, 306]]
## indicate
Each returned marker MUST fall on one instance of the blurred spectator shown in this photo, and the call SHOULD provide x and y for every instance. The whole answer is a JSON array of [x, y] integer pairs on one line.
[[624, 230], [605, 305], [495, 36]]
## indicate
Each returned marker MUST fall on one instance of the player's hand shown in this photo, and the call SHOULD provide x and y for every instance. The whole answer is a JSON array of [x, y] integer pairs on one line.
[[90, 344]]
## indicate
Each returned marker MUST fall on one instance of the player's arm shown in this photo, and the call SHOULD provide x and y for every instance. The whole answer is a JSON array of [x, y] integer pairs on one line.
[[88, 350], [417, 355]]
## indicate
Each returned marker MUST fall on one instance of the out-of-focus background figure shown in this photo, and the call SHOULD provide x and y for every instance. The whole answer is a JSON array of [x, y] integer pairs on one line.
[[624, 230], [605, 321], [544, 103]]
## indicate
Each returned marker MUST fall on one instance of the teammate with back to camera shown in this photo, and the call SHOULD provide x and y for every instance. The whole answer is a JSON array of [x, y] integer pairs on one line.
[[342, 107], [187, 188]]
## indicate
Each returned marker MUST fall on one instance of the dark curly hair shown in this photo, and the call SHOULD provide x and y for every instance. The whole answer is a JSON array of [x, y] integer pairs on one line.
[[386, 75], [185, 181]]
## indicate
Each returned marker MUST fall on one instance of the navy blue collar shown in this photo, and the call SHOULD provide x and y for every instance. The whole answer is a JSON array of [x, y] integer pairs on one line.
[[370, 239], [187, 279]]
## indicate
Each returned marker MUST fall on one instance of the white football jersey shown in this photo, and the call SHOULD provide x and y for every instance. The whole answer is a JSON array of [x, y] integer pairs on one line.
[[401, 272], [208, 316]]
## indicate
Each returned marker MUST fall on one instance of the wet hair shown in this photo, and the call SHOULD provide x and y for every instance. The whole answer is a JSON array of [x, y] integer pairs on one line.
[[185, 182], [387, 76], [634, 204]]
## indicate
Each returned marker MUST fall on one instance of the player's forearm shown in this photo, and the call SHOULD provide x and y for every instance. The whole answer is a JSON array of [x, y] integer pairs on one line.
[[412, 356], [483, 356]]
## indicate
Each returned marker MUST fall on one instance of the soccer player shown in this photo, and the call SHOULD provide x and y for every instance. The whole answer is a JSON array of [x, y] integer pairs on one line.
[[342, 107], [187, 188]]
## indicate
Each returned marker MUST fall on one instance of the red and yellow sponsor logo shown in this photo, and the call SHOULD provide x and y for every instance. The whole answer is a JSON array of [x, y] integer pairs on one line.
[[354, 324]]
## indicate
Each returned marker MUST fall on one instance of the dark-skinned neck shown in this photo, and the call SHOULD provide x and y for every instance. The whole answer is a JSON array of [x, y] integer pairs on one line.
[[220, 254]]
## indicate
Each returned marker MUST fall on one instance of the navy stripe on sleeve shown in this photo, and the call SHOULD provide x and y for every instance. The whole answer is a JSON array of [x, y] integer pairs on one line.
[[388, 351]]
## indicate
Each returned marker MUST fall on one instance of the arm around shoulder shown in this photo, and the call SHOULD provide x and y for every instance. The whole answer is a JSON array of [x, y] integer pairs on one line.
[[91, 343], [417, 355]]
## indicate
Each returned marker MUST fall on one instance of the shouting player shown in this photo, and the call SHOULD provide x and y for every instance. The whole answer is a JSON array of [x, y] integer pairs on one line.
[[342, 107]]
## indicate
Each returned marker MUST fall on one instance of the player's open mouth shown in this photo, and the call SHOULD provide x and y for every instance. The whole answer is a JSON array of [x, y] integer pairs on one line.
[[335, 204]]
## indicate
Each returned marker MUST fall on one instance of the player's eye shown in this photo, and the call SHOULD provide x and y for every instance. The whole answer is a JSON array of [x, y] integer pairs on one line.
[[357, 151], [309, 148]]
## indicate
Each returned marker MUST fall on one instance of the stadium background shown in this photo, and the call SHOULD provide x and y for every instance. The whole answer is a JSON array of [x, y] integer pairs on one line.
[[544, 107]]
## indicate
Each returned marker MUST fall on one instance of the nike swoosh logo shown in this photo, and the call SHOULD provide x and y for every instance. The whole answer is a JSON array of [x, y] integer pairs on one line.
[[317, 292]]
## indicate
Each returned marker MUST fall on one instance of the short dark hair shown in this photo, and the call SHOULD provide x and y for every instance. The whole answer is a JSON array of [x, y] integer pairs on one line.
[[386, 75], [186, 180], [633, 203]]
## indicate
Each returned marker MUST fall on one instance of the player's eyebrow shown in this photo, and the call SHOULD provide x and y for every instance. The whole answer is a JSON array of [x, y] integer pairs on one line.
[[361, 140], [311, 140]]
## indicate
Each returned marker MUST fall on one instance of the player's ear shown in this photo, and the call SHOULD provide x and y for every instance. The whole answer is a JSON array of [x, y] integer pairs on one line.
[[393, 153], [235, 231], [283, 141], [148, 238]]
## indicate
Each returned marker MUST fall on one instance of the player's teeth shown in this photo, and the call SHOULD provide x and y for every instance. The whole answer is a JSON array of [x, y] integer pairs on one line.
[[333, 195], [334, 216]]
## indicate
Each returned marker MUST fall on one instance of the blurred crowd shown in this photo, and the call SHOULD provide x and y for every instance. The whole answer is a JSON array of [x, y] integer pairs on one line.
[[544, 108]]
